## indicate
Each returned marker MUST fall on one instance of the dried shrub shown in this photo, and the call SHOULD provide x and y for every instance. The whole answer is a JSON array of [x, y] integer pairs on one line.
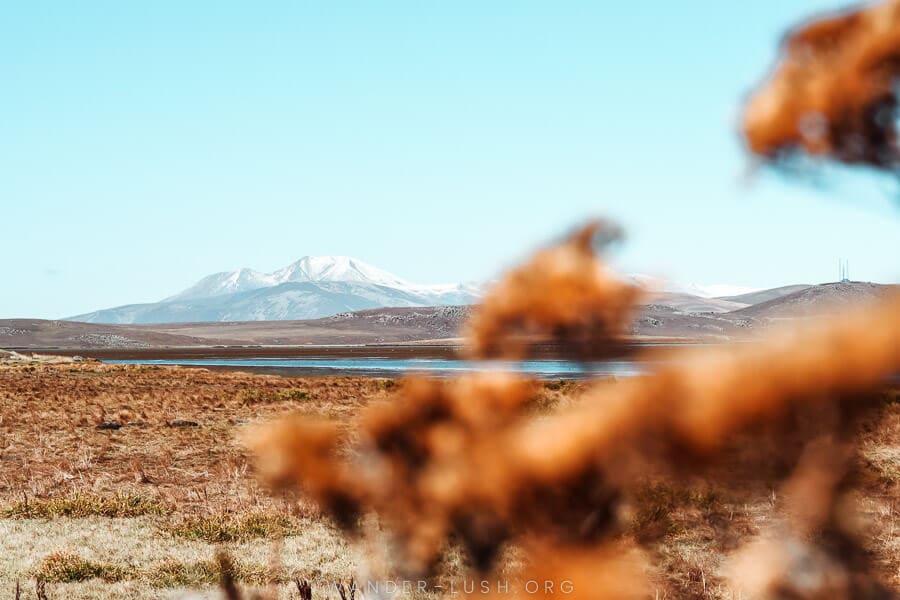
[[462, 462], [296, 447], [833, 93], [564, 295]]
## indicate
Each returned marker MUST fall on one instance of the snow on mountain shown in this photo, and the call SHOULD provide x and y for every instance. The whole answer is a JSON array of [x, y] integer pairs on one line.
[[712, 290], [717, 290], [227, 282], [320, 286], [336, 268], [312, 287], [308, 268]]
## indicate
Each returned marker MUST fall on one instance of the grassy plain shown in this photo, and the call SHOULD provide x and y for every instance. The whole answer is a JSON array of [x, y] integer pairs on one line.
[[124, 481]]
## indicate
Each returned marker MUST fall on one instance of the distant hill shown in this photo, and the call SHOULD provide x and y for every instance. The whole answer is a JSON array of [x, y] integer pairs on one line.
[[666, 315], [389, 325], [383, 325], [696, 304], [765, 295], [27, 333], [816, 300]]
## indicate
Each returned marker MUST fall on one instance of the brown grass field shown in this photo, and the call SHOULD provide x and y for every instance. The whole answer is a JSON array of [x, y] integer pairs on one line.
[[123, 481]]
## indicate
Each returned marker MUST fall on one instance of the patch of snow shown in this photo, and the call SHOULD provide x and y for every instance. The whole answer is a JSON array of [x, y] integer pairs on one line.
[[319, 269], [716, 290], [711, 290]]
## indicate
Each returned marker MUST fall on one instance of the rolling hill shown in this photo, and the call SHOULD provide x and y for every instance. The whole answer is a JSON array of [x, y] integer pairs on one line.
[[668, 316], [816, 300], [765, 295]]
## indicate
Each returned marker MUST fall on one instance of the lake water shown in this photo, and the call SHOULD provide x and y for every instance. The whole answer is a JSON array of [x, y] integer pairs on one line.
[[391, 367]]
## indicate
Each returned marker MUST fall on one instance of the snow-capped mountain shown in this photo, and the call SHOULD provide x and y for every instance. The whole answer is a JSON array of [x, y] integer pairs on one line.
[[320, 286], [312, 287], [337, 268], [307, 269]]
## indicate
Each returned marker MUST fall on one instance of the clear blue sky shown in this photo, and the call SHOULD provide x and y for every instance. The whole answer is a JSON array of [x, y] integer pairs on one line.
[[145, 145]]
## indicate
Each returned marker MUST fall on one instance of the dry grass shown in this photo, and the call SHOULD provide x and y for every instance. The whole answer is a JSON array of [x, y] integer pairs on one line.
[[85, 505], [53, 449], [145, 506], [52, 446], [65, 567], [221, 528], [154, 531], [74, 554]]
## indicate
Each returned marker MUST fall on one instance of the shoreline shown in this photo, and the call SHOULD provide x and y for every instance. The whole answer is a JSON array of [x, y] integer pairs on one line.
[[402, 350]]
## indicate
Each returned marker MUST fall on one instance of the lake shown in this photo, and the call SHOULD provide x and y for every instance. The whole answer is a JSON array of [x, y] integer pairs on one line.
[[392, 367]]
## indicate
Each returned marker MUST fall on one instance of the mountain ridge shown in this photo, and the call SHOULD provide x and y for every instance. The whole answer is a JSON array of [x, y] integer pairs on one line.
[[309, 288], [305, 269], [817, 300], [665, 317], [314, 287]]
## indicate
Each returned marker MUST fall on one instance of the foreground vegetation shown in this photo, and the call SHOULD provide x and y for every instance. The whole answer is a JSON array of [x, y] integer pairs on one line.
[[124, 481]]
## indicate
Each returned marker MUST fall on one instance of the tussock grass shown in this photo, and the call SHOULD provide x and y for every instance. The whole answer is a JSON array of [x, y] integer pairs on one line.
[[85, 505], [66, 567], [69, 567], [221, 528], [173, 574], [885, 461]]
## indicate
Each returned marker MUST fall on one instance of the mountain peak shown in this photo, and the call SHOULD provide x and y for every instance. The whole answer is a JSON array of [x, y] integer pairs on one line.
[[311, 287], [336, 268], [306, 269]]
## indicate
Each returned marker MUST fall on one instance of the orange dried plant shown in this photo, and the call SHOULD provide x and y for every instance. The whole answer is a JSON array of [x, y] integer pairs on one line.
[[564, 295], [833, 93]]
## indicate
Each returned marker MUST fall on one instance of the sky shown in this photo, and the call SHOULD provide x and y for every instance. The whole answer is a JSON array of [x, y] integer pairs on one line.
[[144, 145]]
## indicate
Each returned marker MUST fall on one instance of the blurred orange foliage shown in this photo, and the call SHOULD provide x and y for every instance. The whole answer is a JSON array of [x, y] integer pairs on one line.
[[463, 460], [833, 92], [564, 295]]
